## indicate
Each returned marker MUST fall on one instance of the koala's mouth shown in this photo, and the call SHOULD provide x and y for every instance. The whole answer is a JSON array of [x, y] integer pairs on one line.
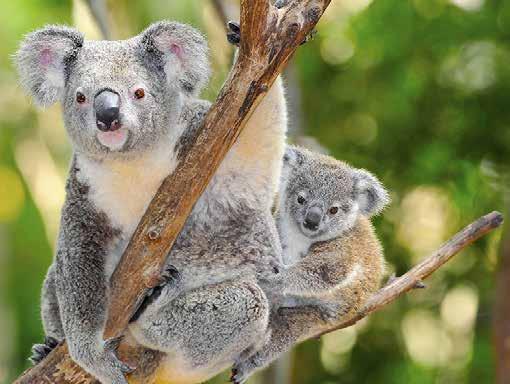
[[113, 140]]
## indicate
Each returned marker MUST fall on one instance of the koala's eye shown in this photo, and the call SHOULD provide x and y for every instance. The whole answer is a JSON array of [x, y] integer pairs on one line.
[[301, 200], [333, 210], [80, 98], [139, 93]]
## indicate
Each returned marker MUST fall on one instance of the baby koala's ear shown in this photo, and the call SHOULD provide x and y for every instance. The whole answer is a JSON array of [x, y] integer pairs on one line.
[[179, 52], [293, 157], [370, 194], [43, 60]]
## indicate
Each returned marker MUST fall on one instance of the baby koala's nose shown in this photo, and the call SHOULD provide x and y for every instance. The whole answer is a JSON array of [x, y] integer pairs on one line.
[[313, 218], [107, 107]]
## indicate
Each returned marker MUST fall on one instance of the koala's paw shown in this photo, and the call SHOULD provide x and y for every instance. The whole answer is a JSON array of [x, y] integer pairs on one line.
[[169, 287], [331, 311], [242, 370], [40, 351], [103, 362], [233, 32]]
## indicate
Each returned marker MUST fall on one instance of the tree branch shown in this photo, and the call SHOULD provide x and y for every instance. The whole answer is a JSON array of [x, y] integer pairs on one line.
[[269, 36], [99, 11], [225, 10], [413, 277]]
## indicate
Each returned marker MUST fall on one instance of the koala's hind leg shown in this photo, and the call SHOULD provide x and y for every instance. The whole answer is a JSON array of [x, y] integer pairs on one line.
[[204, 330], [288, 326], [51, 320]]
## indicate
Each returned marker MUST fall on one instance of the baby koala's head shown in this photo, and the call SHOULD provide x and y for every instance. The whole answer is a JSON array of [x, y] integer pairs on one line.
[[323, 197]]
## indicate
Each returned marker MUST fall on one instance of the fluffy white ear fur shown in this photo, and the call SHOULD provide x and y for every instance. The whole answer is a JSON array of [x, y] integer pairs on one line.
[[371, 195], [293, 156], [181, 51], [42, 60]]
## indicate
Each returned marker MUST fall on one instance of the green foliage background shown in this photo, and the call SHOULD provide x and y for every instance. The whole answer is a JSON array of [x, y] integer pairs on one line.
[[414, 91]]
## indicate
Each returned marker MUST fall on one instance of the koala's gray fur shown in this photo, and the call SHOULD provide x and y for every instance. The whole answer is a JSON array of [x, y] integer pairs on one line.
[[228, 242], [331, 270]]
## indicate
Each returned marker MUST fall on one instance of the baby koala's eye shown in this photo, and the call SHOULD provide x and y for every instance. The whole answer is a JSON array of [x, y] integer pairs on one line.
[[301, 200], [139, 93], [333, 210], [80, 98]]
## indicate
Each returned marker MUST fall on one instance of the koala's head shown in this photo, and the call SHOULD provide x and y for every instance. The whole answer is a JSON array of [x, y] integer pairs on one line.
[[323, 197], [118, 97]]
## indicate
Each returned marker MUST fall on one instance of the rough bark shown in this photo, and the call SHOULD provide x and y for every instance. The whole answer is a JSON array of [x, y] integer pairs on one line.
[[269, 36]]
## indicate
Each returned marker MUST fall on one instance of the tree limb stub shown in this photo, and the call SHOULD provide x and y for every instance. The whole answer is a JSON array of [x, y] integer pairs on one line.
[[269, 36], [419, 272]]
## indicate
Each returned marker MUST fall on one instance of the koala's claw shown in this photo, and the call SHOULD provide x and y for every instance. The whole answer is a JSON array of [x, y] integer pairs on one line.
[[311, 35], [233, 32], [40, 351], [235, 377], [170, 283], [242, 370], [110, 346], [170, 275]]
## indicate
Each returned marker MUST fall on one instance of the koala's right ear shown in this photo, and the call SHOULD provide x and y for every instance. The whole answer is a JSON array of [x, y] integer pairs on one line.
[[43, 60], [179, 52]]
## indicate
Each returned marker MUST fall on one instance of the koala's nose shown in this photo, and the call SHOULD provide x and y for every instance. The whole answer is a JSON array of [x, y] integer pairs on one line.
[[313, 218], [107, 107]]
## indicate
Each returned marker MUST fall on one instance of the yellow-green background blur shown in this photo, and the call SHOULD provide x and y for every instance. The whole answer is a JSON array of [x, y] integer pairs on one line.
[[416, 91]]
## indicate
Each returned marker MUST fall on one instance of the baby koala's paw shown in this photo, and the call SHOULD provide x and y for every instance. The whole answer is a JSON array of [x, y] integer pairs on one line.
[[40, 351], [168, 289], [330, 310], [242, 370]]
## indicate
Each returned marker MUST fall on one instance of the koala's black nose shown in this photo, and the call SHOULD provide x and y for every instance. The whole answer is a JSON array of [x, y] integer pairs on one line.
[[107, 107], [313, 218]]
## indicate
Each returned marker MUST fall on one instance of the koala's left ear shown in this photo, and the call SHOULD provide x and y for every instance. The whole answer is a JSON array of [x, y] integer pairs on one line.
[[370, 194], [178, 51], [293, 156], [43, 61]]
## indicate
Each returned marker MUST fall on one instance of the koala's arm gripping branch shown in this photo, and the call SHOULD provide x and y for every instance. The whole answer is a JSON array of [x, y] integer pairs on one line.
[[269, 36], [419, 272]]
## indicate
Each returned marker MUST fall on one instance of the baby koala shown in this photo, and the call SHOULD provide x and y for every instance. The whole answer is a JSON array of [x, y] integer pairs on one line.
[[333, 259]]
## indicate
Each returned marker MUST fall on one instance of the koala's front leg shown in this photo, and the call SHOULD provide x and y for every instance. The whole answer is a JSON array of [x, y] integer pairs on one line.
[[81, 284], [82, 294], [50, 313], [316, 275]]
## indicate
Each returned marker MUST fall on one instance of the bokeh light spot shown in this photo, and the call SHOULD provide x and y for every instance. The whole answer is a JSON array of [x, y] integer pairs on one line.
[[468, 5], [471, 69], [12, 194], [337, 49], [426, 341], [459, 308], [425, 216]]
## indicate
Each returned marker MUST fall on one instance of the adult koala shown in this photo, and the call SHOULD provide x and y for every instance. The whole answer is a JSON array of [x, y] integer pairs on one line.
[[129, 107]]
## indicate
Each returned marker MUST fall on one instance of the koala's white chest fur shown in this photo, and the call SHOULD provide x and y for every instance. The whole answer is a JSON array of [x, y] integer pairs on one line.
[[295, 245], [124, 189]]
